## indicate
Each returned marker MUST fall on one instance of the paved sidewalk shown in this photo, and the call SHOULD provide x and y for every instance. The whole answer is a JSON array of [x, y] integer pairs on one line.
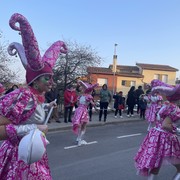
[[54, 126]]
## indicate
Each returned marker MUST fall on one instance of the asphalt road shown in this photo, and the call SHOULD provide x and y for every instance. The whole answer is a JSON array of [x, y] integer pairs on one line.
[[108, 156]]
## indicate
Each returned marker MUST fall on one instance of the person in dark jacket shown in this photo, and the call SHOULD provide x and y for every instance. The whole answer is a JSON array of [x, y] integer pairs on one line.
[[105, 99], [90, 107], [118, 104], [51, 96], [142, 106], [138, 92], [131, 101]]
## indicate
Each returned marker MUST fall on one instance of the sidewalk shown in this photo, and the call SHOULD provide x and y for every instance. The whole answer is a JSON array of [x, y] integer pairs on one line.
[[54, 126]]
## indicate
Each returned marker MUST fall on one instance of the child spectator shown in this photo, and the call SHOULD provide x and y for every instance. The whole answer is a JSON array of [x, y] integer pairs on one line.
[[118, 104], [142, 106]]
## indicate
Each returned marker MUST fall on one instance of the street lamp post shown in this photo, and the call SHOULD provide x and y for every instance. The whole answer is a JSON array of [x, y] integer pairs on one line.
[[114, 66]]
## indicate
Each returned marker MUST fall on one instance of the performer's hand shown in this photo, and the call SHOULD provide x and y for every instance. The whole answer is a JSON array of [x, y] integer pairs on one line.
[[53, 104], [95, 108], [43, 128]]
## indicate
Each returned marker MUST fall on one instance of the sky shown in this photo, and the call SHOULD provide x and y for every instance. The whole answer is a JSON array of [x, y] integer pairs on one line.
[[146, 31]]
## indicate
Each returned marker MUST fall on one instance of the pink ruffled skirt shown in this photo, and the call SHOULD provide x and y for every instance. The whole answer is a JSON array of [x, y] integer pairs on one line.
[[80, 116], [158, 147]]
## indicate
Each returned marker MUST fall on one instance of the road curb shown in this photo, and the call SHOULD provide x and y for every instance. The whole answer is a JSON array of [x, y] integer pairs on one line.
[[69, 127]]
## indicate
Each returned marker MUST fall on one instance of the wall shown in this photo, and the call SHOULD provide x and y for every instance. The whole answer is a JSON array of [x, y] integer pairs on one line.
[[149, 75]]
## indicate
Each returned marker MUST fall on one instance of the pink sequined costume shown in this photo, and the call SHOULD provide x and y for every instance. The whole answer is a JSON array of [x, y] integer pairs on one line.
[[154, 104], [161, 146], [22, 112], [24, 106], [81, 114]]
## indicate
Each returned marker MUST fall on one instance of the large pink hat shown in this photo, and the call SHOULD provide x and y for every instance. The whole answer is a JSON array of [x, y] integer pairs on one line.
[[88, 87], [2, 89], [29, 53], [172, 93]]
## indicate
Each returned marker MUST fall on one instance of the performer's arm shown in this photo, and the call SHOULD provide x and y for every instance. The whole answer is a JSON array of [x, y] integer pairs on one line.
[[167, 124], [3, 121], [13, 132], [3, 134]]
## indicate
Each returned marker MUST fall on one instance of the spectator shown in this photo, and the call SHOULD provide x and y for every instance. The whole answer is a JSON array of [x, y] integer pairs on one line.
[[105, 99], [90, 107], [78, 93], [148, 89], [142, 106], [131, 101], [138, 92], [70, 98], [51, 96], [12, 89], [118, 104]]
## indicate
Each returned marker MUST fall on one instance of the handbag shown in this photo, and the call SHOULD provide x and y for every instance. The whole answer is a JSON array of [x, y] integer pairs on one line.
[[120, 106]]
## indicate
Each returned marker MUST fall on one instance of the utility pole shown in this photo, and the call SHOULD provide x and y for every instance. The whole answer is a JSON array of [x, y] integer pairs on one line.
[[114, 66]]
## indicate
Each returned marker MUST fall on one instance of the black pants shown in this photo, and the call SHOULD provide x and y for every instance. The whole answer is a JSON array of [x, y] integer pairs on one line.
[[130, 109], [103, 109], [118, 110], [90, 111], [142, 113], [66, 111]]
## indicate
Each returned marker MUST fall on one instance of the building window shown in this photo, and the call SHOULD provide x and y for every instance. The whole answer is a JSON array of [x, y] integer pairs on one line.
[[164, 78], [128, 83], [101, 81], [157, 76], [161, 77], [133, 83], [123, 83]]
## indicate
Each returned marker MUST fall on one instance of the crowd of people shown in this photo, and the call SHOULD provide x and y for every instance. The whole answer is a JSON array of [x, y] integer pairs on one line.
[[22, 112]]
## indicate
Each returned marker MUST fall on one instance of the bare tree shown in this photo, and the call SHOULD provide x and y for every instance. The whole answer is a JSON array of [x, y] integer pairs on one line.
[[74, 64], [6, 75]]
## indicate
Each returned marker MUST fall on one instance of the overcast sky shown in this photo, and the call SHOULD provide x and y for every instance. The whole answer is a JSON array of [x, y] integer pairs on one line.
[[146, 31]]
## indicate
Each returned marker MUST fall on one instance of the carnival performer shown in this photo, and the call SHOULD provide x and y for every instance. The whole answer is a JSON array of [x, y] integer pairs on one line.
[[81, 117], [154, 103], [22, 109], [161, 145], [2, 90]]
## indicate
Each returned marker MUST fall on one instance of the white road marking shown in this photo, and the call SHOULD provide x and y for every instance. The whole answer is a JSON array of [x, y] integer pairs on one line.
[[74, 146], [130, 135]]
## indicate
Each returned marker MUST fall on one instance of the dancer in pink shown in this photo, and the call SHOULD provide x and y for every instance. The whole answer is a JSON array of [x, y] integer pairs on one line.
[[154, 104], [81, 116], [22, 110], [161, 145]]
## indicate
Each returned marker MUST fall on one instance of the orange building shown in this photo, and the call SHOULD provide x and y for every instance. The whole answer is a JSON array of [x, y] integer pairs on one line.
[[127, 76]]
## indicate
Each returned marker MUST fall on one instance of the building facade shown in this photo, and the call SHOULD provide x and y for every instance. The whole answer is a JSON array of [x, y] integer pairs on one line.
[[127, 76]]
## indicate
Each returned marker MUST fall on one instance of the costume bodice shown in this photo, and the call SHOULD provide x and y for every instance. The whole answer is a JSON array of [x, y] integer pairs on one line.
[[38, 117]]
